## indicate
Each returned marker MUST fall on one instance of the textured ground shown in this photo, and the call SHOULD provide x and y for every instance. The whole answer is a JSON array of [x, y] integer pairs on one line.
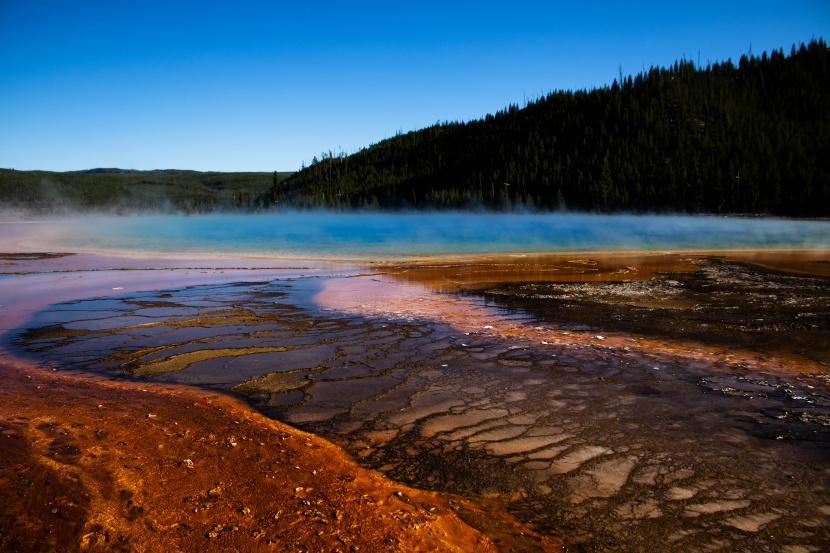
[[614, 414], [95, 465]]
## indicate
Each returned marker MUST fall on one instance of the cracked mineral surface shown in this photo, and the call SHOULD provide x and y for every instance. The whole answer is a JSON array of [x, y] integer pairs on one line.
[[686, 407]]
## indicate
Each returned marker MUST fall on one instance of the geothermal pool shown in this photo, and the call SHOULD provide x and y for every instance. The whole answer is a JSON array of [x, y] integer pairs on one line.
[[375, 236]]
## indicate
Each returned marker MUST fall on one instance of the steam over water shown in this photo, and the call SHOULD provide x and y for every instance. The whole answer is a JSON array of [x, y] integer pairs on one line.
[[372, 236]]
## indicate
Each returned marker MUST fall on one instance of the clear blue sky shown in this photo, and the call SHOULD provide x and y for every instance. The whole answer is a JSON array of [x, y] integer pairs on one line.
[[263, 86]]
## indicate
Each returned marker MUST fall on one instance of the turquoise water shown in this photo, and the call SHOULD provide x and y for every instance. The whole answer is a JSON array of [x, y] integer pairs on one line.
[[373, 235]]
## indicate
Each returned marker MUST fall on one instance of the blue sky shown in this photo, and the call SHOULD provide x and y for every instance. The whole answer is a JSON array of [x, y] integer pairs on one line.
[[263, 86]]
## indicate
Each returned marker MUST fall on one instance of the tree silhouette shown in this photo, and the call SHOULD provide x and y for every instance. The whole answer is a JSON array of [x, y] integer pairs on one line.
[[672, 138]]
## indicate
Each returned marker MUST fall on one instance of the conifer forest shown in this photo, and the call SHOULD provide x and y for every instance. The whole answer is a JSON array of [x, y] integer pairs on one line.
[[751, 137]]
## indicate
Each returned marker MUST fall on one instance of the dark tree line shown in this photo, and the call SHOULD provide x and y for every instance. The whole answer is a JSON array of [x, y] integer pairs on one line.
[[747, 138], [120, 190]]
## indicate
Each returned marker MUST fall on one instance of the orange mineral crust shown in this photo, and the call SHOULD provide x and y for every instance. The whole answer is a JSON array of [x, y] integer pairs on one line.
[[100, 465]]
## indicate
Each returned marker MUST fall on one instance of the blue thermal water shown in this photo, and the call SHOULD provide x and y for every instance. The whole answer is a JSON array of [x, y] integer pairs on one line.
[[377, 235]]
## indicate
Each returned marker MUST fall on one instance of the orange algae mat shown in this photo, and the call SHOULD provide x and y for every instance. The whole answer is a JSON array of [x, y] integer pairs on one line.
[[92, 464]]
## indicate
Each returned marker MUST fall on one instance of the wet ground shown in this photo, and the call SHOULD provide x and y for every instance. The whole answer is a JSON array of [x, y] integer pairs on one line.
[[732, 305], [632, 415], [101, 465]]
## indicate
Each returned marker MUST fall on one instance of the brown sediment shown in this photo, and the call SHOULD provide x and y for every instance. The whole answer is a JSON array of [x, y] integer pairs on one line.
[[704, 304], [450, 275], [92, 464], [483, 271], [271, 383], [31, 256], [184, 360]]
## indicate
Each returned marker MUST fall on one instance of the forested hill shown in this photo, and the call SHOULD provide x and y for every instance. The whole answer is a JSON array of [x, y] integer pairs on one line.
[[747, 138], [123, 191]]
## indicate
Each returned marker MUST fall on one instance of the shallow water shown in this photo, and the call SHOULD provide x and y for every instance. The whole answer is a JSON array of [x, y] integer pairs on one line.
[[368, 236], [616, 441]]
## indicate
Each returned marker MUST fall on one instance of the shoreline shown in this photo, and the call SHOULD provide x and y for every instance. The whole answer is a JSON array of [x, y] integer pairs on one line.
[[104, 260], [163, 259]]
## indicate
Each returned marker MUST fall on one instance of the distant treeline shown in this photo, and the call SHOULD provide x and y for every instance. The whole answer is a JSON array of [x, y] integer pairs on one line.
[[747, 138], [119, 190], [751, 138]]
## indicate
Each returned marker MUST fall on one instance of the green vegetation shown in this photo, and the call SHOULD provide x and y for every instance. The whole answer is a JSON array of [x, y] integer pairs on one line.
[[126, 191], [751, 138]]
